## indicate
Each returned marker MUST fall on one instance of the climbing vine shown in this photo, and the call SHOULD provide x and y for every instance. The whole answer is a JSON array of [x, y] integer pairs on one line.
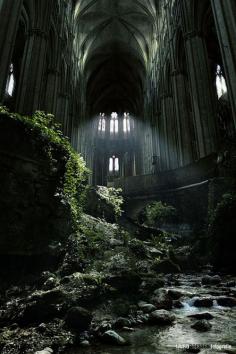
[[76, 172]]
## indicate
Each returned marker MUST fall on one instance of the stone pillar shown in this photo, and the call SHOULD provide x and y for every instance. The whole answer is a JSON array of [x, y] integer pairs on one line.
[[171, 132], [202, 94], [62, 111], [51, 91], [183, 120], [29, 96], [10, 11], [164, 156], [225, 19]]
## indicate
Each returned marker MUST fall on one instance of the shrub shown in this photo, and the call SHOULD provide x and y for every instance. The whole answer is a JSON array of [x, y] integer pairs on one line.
[[112, 197], [157, 213]]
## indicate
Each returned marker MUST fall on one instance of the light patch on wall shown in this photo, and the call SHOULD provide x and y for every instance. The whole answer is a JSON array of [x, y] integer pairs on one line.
[[221, 86]]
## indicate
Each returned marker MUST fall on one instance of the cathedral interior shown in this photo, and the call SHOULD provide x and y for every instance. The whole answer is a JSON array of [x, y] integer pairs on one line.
[[117, 176]]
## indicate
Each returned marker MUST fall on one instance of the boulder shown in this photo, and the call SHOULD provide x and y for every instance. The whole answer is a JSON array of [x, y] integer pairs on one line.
[[126, 281], [175, 294], [166, 266], [202, 326], [78, 318], [37, 312], [162, 300], [209, 280], [150, 284], [226, 301], [203, 302], [45, 351], [121, 322], [147, 308], [111, 337], [161, 317], [202, 316]]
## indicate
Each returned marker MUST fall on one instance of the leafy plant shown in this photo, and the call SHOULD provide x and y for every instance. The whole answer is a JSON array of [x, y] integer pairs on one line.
[[157, 213], [113, 197]]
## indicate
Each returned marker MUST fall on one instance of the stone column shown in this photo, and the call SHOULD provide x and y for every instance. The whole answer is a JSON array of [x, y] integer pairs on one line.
[[10, 11], [29, 96], [204, 109], [225, 19], [171, 132], [51, 91], [183, 119], [164, 156]]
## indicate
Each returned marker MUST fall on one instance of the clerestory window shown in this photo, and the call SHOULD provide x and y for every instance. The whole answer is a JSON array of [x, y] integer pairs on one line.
[[114, 125], [10, 81], [114, 164], [126, 123], [102, 123], [221, 86]]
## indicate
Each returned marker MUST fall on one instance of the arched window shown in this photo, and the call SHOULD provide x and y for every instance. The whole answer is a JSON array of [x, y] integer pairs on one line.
[[126, 123], [102, 123], [114, 127], [221, 86], [10, 81], [114, 164]]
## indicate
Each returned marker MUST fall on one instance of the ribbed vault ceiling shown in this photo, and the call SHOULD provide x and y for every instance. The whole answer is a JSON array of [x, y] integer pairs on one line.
[[113, 42]]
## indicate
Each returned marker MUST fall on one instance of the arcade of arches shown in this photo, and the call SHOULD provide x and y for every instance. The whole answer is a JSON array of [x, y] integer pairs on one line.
[[145, 91]]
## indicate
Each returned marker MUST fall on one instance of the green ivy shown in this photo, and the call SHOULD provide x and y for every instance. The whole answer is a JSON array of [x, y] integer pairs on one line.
[[76, 173], [157, 213], [113, 197]]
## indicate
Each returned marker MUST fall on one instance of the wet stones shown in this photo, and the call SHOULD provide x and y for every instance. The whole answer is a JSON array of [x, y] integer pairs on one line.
[[78, 318], [203, 302], [211, 280], [162, 299], [166, 266], [121, 322], [147, 308], [202, 316], [111, 337], [161, 317], [202, 326], [45, 351], [226, 301]]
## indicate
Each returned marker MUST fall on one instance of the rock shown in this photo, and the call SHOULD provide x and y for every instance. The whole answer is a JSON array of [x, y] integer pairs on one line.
[[178, 304], [121, 322], [162, 300], [78, 318], [175, 294], [226, 301], [231, 284], [45, 351], [111, 337], [147, 308], [202, 316], [161, 317], [150, 284], [209, 280], [203, 302], [126, 281], [85, 343], [202, 326], [50, 283], [37, 312], [166, 266]]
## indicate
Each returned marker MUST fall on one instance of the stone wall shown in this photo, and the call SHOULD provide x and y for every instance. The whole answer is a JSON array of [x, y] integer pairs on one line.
[[34, 217]]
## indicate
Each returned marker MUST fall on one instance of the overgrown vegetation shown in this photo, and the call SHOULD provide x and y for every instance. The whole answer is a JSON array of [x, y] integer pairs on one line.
[[158, 213], [76, 172], [112, 197]]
